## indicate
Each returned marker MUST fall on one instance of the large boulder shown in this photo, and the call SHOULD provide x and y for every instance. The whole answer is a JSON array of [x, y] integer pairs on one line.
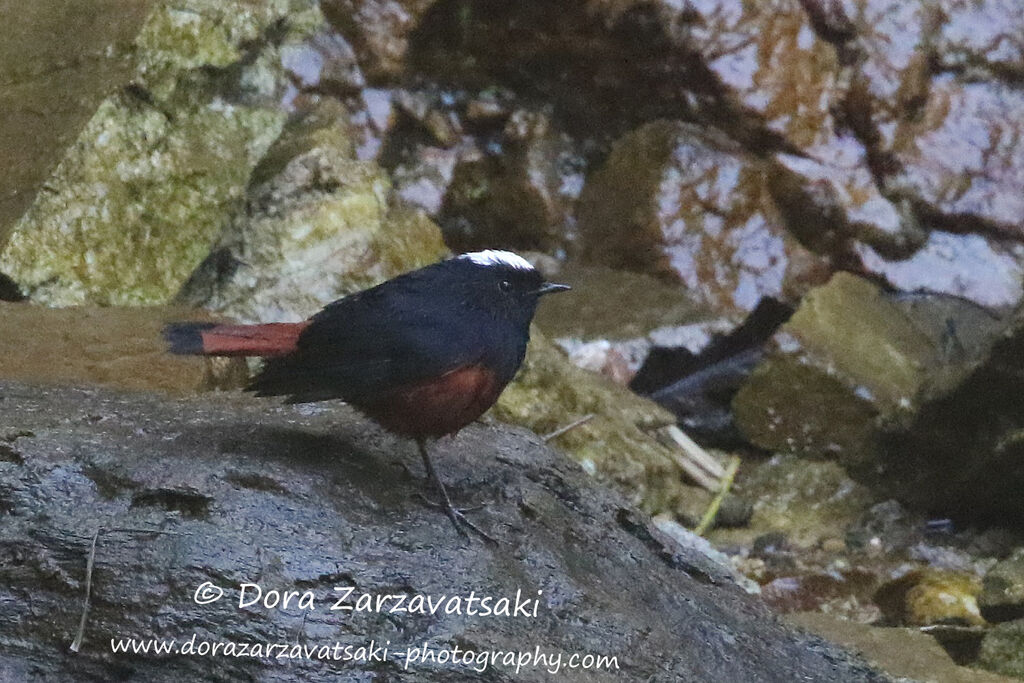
[[224, 490], [87, 48], [889, 131]]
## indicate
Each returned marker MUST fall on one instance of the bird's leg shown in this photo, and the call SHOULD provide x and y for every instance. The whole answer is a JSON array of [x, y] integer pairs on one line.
[[457, 515]]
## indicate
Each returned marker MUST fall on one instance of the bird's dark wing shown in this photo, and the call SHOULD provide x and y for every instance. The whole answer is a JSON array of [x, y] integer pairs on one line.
[[372, 343]]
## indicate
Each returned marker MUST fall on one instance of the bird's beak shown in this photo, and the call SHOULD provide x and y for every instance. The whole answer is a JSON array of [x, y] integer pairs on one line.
[[550, 288]]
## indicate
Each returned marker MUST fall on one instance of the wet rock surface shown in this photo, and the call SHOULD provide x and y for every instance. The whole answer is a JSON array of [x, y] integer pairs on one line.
[[296, 498], [673, 162]]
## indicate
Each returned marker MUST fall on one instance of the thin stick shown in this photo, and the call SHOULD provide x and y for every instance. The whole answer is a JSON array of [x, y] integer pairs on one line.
[[567, 428], [723, 488], [76, 645]]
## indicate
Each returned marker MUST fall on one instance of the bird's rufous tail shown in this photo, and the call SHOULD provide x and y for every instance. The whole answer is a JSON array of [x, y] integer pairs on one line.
[[213, 339]]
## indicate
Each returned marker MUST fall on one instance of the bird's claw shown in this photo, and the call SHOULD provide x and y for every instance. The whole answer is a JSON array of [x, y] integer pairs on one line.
[[458, 517]]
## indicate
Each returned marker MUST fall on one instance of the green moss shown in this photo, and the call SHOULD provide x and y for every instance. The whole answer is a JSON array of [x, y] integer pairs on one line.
[[866, 337], [808, 501]]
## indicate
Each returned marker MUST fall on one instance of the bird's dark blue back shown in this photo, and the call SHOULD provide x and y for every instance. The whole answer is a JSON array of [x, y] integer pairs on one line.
[[413, 328]]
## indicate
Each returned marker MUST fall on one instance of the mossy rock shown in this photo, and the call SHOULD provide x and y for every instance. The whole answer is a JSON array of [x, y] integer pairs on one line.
[[618, 444], [916, 395], [847, 360], [317, 224], [1002, 594], [140, 195]]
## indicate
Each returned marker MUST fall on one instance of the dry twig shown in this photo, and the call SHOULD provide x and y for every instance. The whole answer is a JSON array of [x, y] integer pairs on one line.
[[567, 428]]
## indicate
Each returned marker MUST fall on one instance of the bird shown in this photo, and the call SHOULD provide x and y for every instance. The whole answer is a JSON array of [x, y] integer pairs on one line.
[[422, 354]]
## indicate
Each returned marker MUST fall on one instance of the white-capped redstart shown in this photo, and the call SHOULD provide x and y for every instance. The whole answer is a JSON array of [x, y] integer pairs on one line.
[[423, 354]]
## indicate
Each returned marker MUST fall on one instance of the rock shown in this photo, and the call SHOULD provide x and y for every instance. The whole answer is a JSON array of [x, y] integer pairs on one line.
[[615, 361], [238, 490], [774, 59], [985, 271], [522, 198], [115, 347], [845, 593], [885, 527], [605, 66], [134, 204], [379, 30], [929, 100], [317, 224], [423, 181], [615, 305], [718, 561], [325, 64], [887, 130], [926, 597], [1002, 590], [672, 202], [913, 394], [1002, 649], [959, 153], [905, 119]]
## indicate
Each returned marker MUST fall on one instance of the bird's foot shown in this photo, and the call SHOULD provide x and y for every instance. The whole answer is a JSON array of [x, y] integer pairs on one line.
[[458, 517]]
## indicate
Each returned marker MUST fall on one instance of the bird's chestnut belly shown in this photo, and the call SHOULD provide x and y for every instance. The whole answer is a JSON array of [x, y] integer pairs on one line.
[[437, 407]]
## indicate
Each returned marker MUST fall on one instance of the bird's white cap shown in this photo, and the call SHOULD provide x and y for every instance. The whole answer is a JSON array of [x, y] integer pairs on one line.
[[496, 257]]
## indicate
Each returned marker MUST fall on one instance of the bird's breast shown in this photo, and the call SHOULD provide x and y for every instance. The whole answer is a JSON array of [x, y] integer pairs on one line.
[[438, 406]]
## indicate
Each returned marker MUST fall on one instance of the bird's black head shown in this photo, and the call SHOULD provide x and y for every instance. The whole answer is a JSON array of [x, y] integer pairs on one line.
[[501, 283]]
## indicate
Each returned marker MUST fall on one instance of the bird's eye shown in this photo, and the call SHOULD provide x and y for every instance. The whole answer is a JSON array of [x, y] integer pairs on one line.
[[505, 285]]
